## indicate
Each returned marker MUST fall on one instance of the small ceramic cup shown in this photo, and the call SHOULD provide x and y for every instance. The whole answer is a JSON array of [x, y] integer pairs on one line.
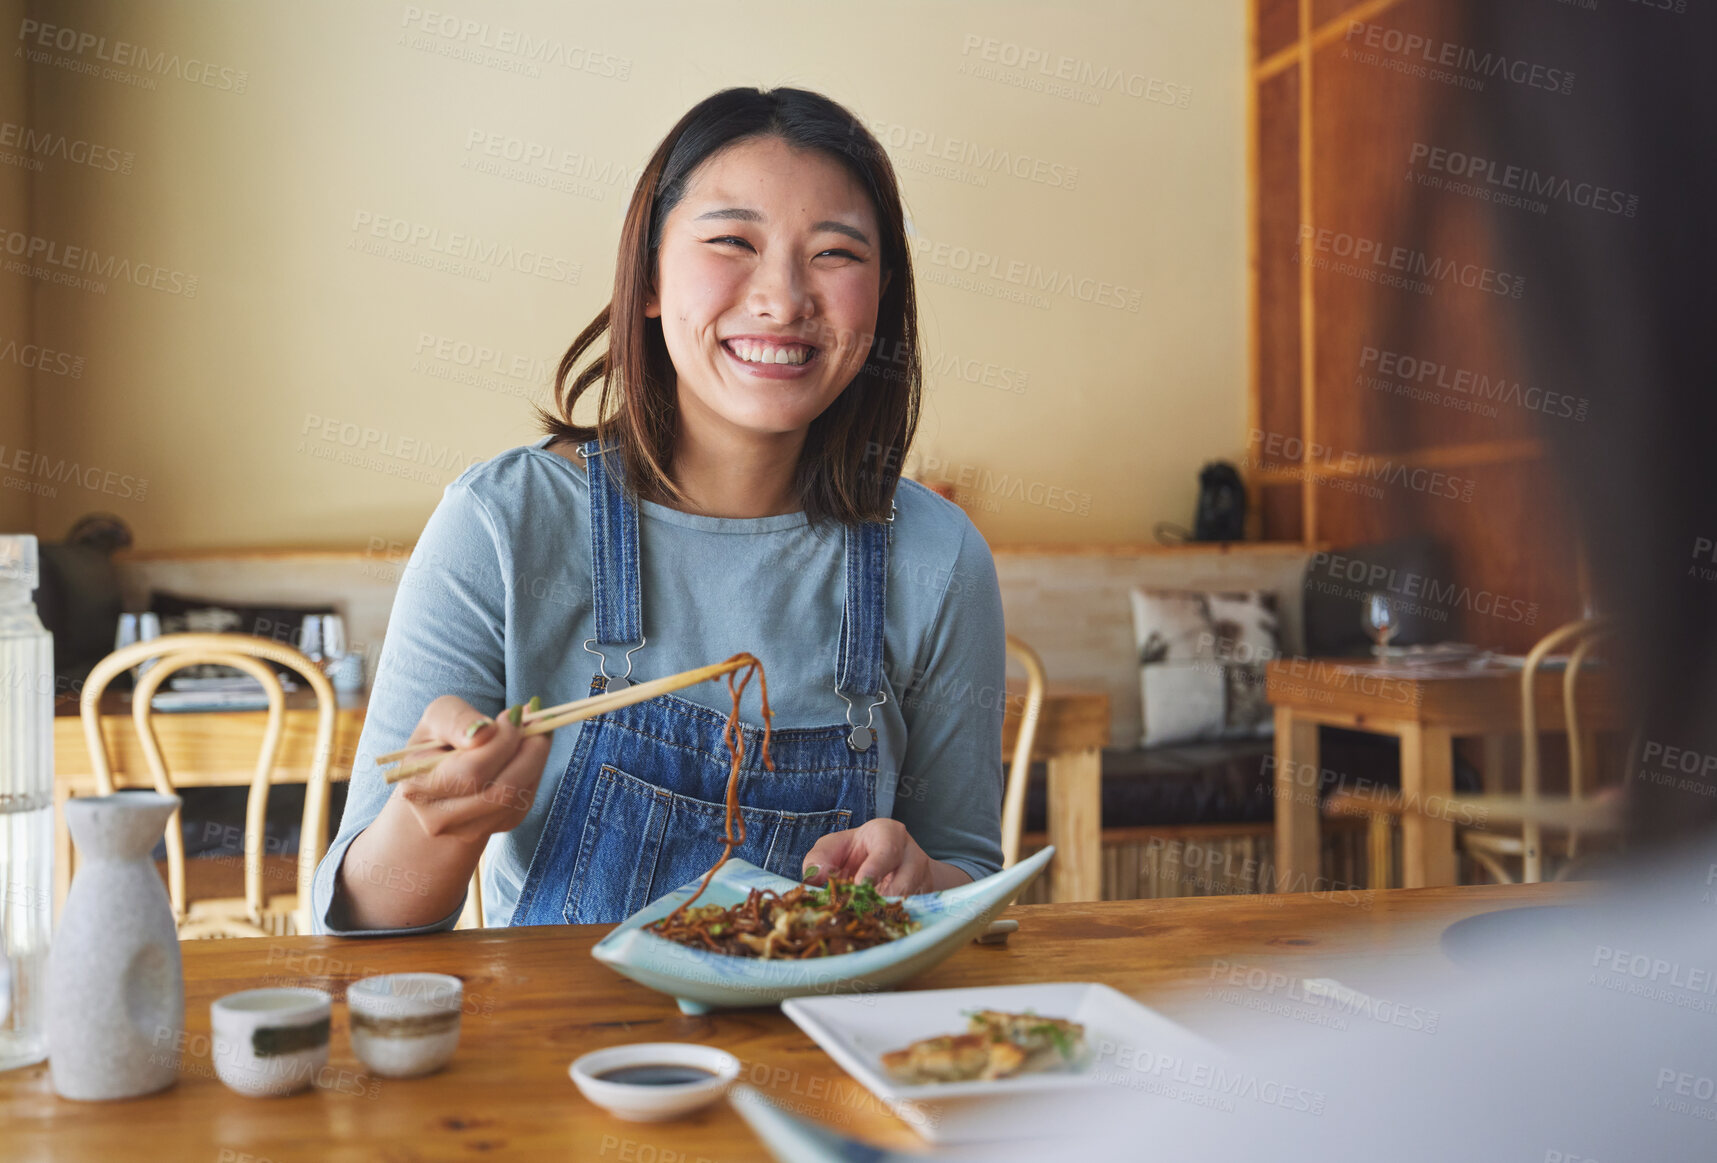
[[405, 1024], [270, 1041]]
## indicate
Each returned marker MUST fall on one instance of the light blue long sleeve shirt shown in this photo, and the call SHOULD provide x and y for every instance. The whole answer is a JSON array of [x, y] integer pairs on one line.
[[496, 602]]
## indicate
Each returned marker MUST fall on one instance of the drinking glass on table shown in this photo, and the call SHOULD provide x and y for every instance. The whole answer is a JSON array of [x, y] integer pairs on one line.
[[333, 638], [1378, 617], [137, 628], [310, 639]]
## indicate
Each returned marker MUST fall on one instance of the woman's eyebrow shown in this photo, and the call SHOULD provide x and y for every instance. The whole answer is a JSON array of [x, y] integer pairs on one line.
[[741, 214]]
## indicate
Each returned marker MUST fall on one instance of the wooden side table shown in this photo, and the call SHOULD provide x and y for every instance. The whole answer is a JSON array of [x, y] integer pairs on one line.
[[1072, 730], [1427, 708]]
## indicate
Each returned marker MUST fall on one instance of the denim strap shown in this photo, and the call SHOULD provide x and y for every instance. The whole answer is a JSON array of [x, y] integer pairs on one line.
[[613, 551], [618, 594], [858, 664]]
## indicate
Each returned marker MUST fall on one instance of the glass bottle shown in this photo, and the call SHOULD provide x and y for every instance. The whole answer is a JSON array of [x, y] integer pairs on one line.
[[26, 800]]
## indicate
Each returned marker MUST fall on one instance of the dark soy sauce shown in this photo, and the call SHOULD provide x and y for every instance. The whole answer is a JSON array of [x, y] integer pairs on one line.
[[656, 1074]]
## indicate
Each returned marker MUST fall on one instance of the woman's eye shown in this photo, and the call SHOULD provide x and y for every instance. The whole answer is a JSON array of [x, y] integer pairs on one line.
[[732, 238], [843, 253]]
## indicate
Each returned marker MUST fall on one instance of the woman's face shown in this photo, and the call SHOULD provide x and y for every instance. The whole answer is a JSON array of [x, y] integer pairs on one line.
[[768, 280]]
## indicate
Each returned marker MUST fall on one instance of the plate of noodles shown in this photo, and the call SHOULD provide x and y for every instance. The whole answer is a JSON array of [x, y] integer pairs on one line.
[[744, 936]]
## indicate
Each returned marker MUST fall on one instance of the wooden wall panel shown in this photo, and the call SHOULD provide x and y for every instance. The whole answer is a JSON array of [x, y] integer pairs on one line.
[[1277, 25], [1277, 350], [1420, 419]]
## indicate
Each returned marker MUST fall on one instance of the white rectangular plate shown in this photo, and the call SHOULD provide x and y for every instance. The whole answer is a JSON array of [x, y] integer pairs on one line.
[[856, 1032]]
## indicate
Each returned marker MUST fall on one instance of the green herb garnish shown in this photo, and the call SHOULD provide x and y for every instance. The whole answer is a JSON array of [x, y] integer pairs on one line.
[[1063, 1042]]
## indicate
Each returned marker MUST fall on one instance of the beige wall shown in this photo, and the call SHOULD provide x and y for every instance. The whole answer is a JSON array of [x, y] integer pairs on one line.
[[200, 417]]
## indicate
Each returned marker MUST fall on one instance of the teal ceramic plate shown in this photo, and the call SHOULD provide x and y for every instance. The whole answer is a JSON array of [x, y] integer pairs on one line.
[[701, 980]]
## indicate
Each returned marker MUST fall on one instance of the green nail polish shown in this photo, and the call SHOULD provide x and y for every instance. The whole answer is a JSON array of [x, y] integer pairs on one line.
[[477, 726], [516, 714], [536, 703]]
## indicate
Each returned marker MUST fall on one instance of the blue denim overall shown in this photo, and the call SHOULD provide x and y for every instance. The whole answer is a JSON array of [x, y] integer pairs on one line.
[[640, 809]]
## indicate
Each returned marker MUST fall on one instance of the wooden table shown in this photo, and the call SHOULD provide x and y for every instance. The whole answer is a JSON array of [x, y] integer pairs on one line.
[[203, 749], [1072, 730], [1427, 708], [535, 1000]]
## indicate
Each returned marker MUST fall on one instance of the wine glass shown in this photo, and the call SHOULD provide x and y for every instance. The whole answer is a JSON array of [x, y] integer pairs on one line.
[[1377, 615]]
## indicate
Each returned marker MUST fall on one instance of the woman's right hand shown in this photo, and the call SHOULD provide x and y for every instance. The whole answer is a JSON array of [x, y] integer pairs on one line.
[[485, 784]]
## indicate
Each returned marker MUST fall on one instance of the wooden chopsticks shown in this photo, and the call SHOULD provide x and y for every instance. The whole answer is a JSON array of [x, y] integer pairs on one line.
[[550, 718]]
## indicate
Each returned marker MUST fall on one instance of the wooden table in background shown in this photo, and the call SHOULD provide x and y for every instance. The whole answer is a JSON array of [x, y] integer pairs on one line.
[[1072, 730], [219, 749], [1427, 708], [203, 749], [535, 1000]]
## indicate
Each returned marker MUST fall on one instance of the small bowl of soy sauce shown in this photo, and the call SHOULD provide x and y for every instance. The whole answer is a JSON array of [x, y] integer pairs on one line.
[[648, 1082]]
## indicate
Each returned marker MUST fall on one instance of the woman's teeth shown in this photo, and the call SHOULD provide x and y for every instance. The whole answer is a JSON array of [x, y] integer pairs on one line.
[[764, 353]]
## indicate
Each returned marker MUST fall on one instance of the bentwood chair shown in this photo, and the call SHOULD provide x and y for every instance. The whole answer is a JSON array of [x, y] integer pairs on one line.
[[1498, 844], [256, 915], [1491, 848], [1019, 771]]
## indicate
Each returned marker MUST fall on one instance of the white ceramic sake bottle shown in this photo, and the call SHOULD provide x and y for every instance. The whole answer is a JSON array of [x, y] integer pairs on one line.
[[116, 985]]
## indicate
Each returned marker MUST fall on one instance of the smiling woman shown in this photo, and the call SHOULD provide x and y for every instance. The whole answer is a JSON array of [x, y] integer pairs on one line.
[[763, 272], [736, 490]]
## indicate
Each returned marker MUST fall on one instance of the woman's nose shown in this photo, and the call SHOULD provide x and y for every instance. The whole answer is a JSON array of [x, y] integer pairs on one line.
[[778, 289]]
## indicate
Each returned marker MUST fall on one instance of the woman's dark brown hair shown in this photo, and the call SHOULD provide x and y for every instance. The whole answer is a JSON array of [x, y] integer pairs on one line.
[[851, 460]]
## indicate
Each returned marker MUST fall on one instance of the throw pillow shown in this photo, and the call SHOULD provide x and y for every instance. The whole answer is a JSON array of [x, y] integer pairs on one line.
[[1201, 664]]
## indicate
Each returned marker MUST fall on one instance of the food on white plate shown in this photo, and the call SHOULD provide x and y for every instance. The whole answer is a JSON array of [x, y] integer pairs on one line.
[[996, 1045]]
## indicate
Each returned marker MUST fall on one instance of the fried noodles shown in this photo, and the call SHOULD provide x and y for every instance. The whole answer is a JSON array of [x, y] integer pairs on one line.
[[841, 917]]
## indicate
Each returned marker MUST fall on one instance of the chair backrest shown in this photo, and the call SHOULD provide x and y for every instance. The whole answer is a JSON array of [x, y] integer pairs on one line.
[[1583, 634], [1019, 772], [174, 652]]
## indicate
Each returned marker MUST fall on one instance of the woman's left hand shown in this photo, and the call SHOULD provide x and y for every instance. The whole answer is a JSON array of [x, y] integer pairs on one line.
[[882, 852]]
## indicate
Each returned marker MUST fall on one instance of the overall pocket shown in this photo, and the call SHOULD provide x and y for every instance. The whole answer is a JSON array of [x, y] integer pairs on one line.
[[640, 842]]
